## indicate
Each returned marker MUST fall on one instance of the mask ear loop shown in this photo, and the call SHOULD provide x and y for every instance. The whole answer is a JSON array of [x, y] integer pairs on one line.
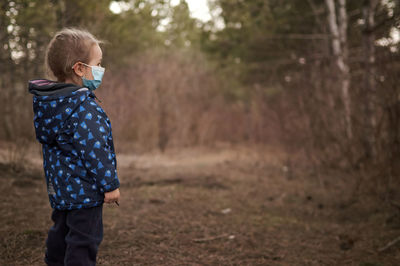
[[73, 67], [73, 70]]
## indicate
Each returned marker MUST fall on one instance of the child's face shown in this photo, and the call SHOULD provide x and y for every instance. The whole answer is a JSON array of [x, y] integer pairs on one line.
[[95, 56]]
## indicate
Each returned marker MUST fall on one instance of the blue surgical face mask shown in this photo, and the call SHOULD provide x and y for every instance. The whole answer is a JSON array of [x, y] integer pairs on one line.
[[97, 73]]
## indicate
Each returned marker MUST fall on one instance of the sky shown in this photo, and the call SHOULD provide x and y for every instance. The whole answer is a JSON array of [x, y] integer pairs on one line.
[[198, 8]]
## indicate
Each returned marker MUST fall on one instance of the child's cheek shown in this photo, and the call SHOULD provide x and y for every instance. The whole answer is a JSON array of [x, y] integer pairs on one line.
[[88, 73]]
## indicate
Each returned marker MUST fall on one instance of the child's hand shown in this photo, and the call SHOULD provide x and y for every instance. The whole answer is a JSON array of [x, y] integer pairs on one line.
[[112, 196]]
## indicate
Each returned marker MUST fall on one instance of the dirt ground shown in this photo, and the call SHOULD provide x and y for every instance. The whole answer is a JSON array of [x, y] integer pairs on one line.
[[226, 206]]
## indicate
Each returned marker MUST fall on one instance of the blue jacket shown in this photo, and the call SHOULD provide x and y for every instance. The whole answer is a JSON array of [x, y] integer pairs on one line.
[[78, 152]]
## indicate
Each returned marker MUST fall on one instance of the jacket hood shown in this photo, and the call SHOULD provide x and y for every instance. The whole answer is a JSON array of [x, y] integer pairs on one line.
[[53, 104], [49, 87]]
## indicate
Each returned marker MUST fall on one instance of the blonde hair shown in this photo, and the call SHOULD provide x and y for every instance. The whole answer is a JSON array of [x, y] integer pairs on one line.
[[67, 47]]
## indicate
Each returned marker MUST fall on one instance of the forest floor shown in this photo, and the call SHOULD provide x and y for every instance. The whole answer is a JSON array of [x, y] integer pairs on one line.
[[226, 206]]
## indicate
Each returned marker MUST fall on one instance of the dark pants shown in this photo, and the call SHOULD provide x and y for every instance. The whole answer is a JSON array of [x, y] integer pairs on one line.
[[75, 237]]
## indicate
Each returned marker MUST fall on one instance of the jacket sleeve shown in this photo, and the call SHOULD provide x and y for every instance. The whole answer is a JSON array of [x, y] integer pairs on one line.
[[93, 141]]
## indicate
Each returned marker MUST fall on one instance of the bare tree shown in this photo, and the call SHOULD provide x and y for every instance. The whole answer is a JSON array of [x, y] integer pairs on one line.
[[369, 10], [7, 73], [338, 30]]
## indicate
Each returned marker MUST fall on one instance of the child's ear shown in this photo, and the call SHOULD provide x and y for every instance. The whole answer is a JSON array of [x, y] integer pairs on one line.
[[77, 68]]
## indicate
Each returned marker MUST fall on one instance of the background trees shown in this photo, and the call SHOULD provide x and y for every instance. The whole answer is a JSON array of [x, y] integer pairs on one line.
[[317, 76]]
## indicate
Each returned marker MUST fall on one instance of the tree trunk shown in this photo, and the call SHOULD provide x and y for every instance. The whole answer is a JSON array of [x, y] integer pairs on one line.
[[369, 77], [7, 73], [60, 13], [338, 29], [162, 120]]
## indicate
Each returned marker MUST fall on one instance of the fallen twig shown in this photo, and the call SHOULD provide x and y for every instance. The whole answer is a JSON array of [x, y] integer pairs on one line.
[[209, 238], [390, 244]]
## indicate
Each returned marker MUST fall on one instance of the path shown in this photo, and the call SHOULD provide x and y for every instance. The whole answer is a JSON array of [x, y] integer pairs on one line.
[[202, 207]]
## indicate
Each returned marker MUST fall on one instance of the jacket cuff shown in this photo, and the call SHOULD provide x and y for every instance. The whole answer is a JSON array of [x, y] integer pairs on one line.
[[111, 186]]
